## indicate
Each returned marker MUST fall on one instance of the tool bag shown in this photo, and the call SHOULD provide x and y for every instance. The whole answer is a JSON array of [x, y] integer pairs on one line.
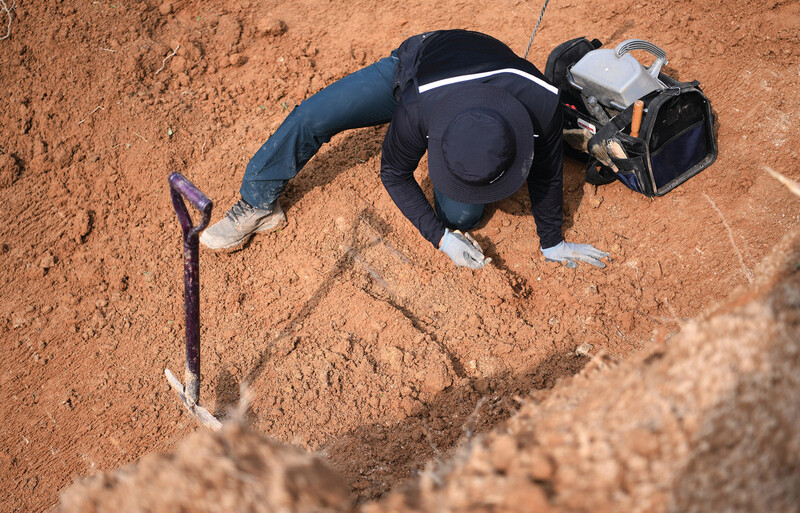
[[676, 138]]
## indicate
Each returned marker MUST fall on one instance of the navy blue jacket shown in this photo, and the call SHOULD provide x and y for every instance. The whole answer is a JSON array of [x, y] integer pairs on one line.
[[428, 63]]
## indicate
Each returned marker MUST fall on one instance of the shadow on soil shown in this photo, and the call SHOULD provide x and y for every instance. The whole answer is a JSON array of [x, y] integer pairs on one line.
[[376, 457]]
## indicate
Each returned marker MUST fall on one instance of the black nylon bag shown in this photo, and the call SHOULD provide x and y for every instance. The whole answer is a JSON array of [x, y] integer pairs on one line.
[[675, 142]]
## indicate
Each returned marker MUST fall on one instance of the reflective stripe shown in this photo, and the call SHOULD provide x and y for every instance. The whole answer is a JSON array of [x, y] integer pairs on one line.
[[475, 76]]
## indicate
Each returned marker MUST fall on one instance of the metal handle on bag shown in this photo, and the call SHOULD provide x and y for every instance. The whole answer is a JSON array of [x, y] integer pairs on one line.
[[640, 44]]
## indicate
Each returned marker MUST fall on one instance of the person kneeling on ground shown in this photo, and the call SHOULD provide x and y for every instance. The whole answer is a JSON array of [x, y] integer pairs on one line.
[[487, 118]]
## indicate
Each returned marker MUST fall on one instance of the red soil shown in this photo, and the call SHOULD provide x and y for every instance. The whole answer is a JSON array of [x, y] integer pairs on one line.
[[359, 341]]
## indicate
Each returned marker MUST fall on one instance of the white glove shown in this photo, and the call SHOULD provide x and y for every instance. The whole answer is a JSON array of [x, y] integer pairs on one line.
[[571, 253], [463, 250]]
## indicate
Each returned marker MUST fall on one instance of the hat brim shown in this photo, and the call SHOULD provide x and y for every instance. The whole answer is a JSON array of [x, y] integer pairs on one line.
[[469, 96]]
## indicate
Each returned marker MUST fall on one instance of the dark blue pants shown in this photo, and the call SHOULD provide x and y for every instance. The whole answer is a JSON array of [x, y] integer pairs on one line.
[[364, 98], [455, 215]]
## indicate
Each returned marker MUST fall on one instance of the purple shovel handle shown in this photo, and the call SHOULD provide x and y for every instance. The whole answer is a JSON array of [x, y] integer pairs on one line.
[[180, 187]]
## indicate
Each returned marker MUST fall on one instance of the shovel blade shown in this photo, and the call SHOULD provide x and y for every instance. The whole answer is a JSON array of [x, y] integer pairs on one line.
[[198, 411]]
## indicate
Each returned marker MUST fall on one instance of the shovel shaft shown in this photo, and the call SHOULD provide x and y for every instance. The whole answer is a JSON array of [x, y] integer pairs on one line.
[[191, 279], [180, 187]]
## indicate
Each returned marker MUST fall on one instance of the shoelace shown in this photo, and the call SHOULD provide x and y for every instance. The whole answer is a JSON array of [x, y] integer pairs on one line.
[[240, 209]]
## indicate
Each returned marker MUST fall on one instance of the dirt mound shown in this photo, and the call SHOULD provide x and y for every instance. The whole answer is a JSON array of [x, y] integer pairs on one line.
[[359, 342], [701, 422], [230, 470]]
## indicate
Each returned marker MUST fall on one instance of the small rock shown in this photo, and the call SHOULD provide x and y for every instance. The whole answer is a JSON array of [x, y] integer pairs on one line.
[[393, 357], [409, 405], [62, 156], [481, 385], [81, 226], [47, 261], [361, 484], [643, 442], [119, 282], [70, 299], [165, 8], [184, 80], [533, 497], [98, 319], [178, 64], [584, 349], [9, 170], [237, 59], [340, 223], [540, 467], [434, 379], [627, 321], [310, 51], [270, 27], [504, 448]]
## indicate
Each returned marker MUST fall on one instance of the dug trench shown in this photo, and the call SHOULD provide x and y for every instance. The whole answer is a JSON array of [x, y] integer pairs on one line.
[[358, 341]]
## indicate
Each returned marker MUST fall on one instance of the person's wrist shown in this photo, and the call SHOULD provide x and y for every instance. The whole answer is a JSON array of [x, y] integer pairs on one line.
[[441, 241], [543, 249]]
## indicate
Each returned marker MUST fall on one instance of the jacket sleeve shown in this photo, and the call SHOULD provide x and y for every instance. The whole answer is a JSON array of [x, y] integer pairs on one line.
[[403, 147], [546, 184]]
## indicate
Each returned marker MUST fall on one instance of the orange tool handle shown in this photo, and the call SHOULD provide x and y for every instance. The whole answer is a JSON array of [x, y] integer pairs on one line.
[[636, 122]]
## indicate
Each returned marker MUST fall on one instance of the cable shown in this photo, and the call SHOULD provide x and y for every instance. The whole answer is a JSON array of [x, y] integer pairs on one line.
[[541, 14]]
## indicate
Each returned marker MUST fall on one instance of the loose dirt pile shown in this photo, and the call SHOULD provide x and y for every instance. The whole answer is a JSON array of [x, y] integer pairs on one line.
[[359, 343], [232, 470]]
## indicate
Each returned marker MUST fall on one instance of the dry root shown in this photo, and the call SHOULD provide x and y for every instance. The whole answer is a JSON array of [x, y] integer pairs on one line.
[[164, 62], [6, 9], [788, 182]]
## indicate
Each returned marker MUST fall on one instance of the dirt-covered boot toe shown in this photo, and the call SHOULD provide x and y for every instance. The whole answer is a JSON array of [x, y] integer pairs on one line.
[[239, 224]]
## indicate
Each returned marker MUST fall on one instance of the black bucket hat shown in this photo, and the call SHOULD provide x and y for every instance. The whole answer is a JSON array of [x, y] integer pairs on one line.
[[480, 144]]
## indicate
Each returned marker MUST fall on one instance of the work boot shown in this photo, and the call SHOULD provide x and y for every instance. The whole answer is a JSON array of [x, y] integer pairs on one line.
[[239, 223]]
